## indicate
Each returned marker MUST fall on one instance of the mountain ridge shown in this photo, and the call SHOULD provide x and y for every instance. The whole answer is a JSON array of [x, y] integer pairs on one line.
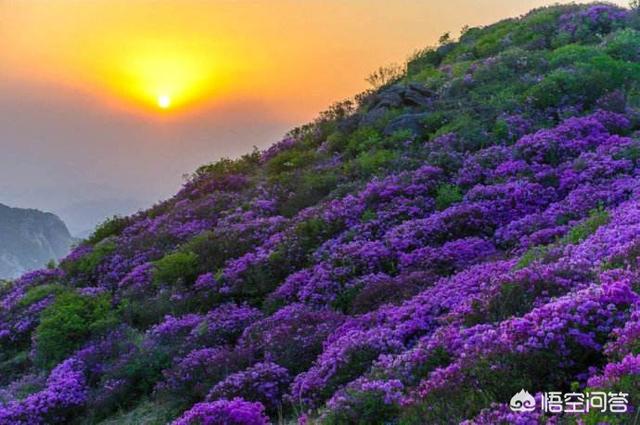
[[29, 239]]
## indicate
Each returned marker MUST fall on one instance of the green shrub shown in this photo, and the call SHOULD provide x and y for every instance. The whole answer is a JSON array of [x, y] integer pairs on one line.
[[582, 231], [87, 265], [70, 321], [371, 162], [494, 39], [311, 233], [363, 139], [584, 82], [307, 189], [38, 293], [434, 121], [423, 59], [111, 227], [427, 75], [176, 268], [533, 254], [289, 160], [447, 195], [572, 54], [470, 129], [141, 312], [261, 279], [624, 45], [214, 248], [12, 364], [244, 165]]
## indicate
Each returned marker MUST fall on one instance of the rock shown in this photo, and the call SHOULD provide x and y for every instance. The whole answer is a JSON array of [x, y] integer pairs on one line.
[[417, 95], [411, 122], [401, 95], [372, 117]]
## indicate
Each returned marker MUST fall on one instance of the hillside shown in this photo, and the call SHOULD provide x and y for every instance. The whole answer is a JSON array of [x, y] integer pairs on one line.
[[29, 239], [468, 229]]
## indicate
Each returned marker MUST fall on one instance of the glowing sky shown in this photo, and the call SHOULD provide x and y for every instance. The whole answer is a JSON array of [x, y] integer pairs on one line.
[[104, 104]]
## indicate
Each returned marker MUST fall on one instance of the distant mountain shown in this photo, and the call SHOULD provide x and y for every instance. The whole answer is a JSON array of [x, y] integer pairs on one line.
[[29, 239], [83, 216]]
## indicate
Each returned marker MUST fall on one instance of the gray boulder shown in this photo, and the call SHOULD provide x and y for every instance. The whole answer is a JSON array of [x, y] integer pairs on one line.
[[411, 122]]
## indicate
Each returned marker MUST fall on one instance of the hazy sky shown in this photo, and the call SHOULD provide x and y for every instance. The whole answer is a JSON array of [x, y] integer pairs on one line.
[[81, 130]]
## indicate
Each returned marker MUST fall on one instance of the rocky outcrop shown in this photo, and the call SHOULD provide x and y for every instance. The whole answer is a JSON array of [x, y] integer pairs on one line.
[[29, 239]]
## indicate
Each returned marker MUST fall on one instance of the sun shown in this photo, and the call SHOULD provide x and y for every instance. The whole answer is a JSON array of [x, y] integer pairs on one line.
[[164, 101]]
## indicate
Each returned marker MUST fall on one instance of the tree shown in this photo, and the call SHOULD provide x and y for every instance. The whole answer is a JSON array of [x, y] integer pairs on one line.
[[385, 75]]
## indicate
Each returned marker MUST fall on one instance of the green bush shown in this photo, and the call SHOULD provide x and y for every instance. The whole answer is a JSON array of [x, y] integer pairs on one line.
[[624, 45], [423, 59], [584, 82], [214, 248], [371, 162], [362, 140], [38, 293], [495, 39], [582, 231], [533, 254], [312, 232], [289, 160], [470, 129], [447, 195], [141, 312], [572, 54], [225, 166], [70, 321], [111, 227], [176, 268], [87, 265], [306, 189], [12, 364]]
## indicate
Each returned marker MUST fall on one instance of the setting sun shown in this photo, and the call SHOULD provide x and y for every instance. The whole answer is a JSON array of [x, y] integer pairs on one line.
[[165, 74], [164, 101]]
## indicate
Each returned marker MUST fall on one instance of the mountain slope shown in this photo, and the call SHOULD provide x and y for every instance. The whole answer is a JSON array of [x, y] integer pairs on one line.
[[466, 230], [29, 239]]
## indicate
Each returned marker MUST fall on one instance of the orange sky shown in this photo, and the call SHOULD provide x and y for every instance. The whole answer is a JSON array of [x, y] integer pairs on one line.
[[299, 55], [80, 82]]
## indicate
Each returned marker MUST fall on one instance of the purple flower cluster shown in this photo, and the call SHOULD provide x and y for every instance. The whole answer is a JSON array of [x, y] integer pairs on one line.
[[597, 19], [224, 412], [264, 382], [64, 392]]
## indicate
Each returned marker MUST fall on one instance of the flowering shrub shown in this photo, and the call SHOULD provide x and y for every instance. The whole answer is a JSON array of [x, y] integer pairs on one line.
[[224, 412], [192, 376], [65, 391], [415, 257], [264, 382], [292, 337]]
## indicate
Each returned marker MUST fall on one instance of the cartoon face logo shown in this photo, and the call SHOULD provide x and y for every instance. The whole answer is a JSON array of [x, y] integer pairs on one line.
[[522, 402]]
